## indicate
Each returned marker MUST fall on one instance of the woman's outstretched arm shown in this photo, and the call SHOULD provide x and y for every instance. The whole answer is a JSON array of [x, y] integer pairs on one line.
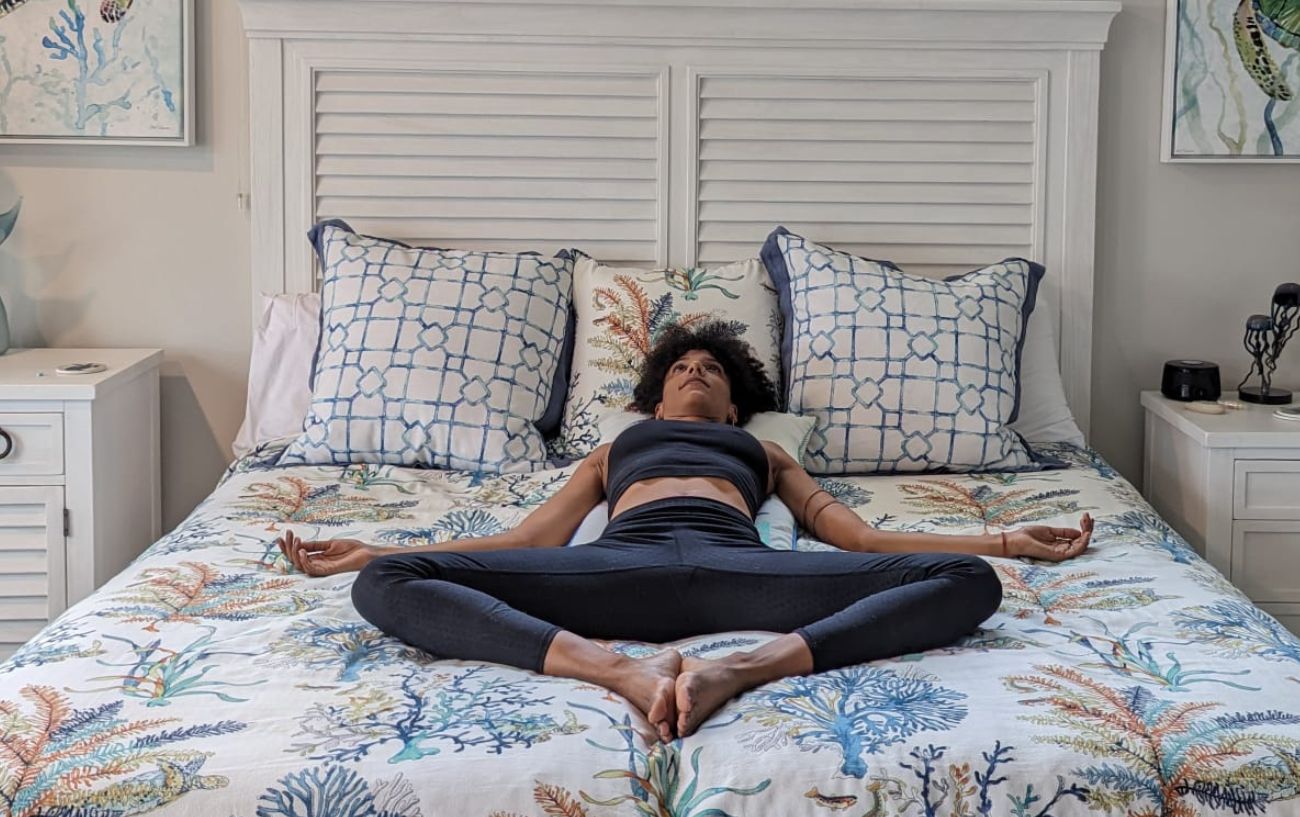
[[834, 523], [551, 525]]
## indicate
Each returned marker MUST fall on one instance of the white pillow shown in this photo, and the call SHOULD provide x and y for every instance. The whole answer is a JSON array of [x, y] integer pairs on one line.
[[284, 343], [1044, 416], [775, 522]]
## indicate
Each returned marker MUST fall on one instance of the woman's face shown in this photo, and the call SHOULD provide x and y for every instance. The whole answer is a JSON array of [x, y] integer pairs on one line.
[[697, 387]]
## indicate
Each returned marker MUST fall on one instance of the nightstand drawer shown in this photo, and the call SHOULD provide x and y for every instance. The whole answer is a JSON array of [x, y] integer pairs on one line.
[[1266, 489], [1264, 558], [34, 445]]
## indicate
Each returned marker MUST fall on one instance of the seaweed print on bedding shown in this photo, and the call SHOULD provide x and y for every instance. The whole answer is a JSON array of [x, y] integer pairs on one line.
[[295, 500], [857, 710], [52, 754], [1027, 590], [953, 788], [157, 674], [337, 791], [191, 592], [455, 525], [855, 496], [344, 649], [1145, 528], [1162, 756], [1239, 629], [657, 783], [369, 475], [555, 801], [487, 708], [60, 641], [1134, 659], [952, 503]]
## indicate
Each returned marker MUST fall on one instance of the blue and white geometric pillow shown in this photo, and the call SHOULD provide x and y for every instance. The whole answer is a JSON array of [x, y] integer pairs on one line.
[[903, 373], [433, 358]]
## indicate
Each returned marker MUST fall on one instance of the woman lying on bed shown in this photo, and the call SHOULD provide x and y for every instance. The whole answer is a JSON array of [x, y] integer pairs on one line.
[[681, 557]]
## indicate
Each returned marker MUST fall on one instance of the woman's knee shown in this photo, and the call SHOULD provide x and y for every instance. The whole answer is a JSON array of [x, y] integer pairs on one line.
[[376, 584], [981, 583]]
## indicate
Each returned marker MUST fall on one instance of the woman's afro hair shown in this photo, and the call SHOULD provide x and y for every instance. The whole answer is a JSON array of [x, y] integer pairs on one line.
[[751, 389]]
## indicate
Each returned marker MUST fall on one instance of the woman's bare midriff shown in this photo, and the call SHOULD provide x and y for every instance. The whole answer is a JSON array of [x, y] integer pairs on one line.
[[648, 490]]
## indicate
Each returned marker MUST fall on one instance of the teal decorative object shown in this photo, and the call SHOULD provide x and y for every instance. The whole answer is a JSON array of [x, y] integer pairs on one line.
[[7, 222]]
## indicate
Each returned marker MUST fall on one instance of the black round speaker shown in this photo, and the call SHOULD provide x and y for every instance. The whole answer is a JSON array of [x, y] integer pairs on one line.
[[1190, 380]]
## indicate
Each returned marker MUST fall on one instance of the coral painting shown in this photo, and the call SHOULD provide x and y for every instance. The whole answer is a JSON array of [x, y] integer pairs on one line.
[[1236, 74], [117, 70]]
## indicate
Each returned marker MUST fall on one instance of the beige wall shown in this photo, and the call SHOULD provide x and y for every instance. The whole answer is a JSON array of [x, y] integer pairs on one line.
[[146, 247], [1184, 252]]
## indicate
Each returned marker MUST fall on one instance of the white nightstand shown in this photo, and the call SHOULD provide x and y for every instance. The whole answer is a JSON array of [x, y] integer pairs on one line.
[[79, 478], [1230, 484]]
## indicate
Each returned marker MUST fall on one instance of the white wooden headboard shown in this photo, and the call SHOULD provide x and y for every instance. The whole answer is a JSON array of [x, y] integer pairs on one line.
[[939, 134]]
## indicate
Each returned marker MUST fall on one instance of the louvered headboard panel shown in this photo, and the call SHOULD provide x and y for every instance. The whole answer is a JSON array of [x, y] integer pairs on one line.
[[939, 134], [495, 159], [937, 175]]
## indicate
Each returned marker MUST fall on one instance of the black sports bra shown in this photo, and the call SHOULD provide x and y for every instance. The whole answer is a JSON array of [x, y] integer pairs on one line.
[[683, 448]]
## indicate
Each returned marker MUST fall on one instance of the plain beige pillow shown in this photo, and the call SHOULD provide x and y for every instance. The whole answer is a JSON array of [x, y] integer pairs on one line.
[[279, 394]]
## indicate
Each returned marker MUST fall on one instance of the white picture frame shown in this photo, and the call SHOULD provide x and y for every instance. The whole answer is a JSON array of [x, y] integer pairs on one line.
[[103, 53], [1231, 95]]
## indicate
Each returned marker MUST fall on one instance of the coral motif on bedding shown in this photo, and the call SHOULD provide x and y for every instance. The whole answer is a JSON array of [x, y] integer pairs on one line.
[[1160, 755], [332, 790], [903, 373], [435, 358], [954, 504], [193, 592], [858, 710], [294, 500], [621, 313], [1028, 590], [490, 709], [51, 758]]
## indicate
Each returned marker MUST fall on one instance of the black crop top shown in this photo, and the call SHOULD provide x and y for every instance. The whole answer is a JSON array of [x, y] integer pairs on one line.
[[682, 448]]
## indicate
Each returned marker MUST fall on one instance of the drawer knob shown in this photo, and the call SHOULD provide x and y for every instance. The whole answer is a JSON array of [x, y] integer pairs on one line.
[[8, 443]]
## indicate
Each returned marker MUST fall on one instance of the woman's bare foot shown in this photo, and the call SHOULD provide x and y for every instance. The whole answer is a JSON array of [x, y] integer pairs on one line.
[[649, 684], [703, 687]]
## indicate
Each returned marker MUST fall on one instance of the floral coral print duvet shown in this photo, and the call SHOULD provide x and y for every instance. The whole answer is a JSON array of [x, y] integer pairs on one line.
[[207, 679]]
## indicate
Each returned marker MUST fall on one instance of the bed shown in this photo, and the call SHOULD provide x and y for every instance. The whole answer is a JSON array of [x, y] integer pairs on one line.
[[208, 679]]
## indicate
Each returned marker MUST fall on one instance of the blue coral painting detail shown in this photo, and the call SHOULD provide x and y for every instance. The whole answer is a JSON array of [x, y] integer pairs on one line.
[[117, 71], [857, 710]]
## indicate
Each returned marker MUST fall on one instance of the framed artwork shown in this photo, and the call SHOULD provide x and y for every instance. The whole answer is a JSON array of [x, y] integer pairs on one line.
[[116, 72], [1232, 81]]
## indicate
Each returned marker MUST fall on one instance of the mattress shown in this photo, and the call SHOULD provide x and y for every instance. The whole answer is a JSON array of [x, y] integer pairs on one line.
[[208, 679]]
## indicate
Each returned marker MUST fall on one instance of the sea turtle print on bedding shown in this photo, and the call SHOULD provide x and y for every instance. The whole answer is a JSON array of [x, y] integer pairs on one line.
[[209, 679]]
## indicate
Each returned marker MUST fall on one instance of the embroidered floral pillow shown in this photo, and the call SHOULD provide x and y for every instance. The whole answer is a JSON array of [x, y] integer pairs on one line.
[[622, 311]]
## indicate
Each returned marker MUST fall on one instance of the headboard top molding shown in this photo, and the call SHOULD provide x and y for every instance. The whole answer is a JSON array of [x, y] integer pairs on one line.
[[982, 24]]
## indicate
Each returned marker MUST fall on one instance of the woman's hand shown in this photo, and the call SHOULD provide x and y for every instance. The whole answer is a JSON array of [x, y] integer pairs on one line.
[[1052, 544], [325, 558]]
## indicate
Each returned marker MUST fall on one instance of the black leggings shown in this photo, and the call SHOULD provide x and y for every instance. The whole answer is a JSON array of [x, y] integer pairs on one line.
[[667, 570]]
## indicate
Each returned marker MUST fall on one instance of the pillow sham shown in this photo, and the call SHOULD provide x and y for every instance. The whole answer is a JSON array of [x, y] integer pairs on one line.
[[431, 357], [620, 313], [903, 373], [279, 368]]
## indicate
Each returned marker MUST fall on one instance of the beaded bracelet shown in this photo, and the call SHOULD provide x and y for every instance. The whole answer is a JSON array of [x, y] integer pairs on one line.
[[1004, 544]]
